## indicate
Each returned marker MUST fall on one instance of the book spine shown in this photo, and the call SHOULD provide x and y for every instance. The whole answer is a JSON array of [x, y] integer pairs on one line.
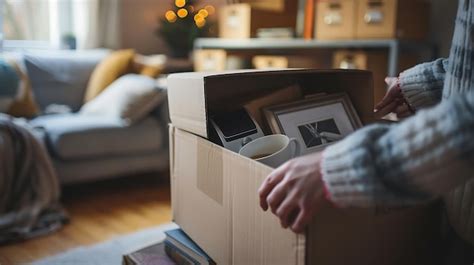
[[178, 255], [309, 19]]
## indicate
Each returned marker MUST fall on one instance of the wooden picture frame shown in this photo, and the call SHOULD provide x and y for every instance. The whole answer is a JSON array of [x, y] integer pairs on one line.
[[315, 122]]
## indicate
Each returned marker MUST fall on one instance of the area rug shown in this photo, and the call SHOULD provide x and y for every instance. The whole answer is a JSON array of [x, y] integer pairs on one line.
[[109, 252]]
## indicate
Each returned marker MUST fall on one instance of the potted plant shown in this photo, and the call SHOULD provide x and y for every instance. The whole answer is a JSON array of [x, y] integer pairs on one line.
[[182, 24]]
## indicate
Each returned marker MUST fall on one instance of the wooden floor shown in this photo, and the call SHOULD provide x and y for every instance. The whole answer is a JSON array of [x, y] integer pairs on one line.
[[100, 211]]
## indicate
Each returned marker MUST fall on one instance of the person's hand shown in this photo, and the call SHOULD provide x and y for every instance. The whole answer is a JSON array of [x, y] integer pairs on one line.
[[393, 101], [294, 191]]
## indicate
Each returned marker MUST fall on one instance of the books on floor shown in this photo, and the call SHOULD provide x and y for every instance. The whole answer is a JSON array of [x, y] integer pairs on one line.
[[177, 248], [181, 249], [151, 255]]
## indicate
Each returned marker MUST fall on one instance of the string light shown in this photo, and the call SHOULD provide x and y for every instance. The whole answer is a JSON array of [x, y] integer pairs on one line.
[[210, 9], [170, 16], [198, 17], [182, 13], [203, 13], [180, 3], [201, 23]]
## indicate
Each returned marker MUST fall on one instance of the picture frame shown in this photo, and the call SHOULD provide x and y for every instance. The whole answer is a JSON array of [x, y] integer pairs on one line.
[[316, 122]]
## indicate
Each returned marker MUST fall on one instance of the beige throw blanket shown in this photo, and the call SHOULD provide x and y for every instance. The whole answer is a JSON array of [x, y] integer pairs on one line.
[[29, 189]]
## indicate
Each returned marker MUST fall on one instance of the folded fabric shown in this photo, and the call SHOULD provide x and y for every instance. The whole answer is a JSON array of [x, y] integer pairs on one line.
[[29, 188], [129, 98]]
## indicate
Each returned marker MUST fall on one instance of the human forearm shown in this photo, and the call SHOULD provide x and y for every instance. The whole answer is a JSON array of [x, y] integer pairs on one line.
[[422, 85], [423, 157]]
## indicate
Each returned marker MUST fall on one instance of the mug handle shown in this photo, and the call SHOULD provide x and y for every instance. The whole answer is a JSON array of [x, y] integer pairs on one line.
[[297, 148]]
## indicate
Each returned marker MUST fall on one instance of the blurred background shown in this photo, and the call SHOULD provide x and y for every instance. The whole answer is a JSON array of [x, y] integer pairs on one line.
[[384, 36]]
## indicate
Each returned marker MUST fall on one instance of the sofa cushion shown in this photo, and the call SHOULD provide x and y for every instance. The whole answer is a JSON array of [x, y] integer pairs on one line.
[[130, 98], [115, 65], [61, 77], [72, 136]]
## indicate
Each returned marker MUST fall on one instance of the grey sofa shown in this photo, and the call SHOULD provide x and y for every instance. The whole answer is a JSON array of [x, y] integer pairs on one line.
[[90, 148]]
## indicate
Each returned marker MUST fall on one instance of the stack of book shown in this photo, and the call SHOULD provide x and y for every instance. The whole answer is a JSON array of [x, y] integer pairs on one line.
[[177, 248]]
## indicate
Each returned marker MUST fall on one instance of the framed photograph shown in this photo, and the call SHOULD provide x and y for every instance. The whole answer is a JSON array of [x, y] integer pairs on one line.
[[316, 122]]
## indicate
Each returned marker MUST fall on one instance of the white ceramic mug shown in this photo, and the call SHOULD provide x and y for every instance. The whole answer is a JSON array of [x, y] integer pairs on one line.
[[272, 150]]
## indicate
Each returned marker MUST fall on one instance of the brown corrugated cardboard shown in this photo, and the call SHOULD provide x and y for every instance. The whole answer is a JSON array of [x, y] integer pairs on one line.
[[403, 19], [240, 21], [254, 107], [214, 191], [374, 61], [335, 19], [230, 230]]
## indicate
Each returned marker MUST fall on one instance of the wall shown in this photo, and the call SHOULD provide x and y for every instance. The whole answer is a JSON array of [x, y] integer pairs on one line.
[[442, 24], [139, 22]]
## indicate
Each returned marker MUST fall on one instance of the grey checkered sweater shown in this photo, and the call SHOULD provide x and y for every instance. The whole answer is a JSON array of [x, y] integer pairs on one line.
[[424, 156]]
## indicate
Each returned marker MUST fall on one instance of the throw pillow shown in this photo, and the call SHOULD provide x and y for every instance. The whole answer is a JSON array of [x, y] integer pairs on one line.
[[151, 66], [61, 77], [129, 98], [24, 104], [8, 85], [118, 63]]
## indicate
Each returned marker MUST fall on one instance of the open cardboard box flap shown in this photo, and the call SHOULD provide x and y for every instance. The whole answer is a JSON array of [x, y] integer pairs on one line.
[[214, 190], [192, 96]]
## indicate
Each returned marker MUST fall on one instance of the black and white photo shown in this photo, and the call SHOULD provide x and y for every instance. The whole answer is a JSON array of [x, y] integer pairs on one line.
[[315, 122]]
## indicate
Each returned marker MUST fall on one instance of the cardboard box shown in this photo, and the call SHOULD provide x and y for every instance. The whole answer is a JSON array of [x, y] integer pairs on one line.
[[214, 190], [269, 62], [210, 60], [385, 19], [335, 19], [374, 61], [240, 21], [271, 5]]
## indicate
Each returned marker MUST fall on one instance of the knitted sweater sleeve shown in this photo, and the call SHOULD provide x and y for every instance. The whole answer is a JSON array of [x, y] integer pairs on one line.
[[413, 161], [422, 85]]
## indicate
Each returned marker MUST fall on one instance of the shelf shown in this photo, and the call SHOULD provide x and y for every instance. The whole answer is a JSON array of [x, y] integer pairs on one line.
[[393, 45], [248, 44]]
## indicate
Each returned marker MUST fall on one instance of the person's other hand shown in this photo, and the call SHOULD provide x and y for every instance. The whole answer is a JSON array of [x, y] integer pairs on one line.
[[393, 101], [294, 191]]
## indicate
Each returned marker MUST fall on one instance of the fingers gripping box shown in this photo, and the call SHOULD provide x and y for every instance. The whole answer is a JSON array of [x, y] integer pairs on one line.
[[214, 190]]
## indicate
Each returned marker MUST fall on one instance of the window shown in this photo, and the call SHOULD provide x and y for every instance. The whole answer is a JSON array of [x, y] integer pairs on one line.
[[26, 20], [28, 24], [34, 23]]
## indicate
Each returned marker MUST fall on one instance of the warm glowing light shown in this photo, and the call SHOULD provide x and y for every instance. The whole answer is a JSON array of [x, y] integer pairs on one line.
[[200, 23], [203, 13], [180, 3], [210, 9], [198, 17], [170, 16], [182, 13]]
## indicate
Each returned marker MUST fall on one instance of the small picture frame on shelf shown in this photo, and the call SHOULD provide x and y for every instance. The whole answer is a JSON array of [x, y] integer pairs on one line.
[[315, 122]]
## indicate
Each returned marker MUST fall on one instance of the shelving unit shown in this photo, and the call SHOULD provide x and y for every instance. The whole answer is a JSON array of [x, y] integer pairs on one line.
[[269, 46]]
